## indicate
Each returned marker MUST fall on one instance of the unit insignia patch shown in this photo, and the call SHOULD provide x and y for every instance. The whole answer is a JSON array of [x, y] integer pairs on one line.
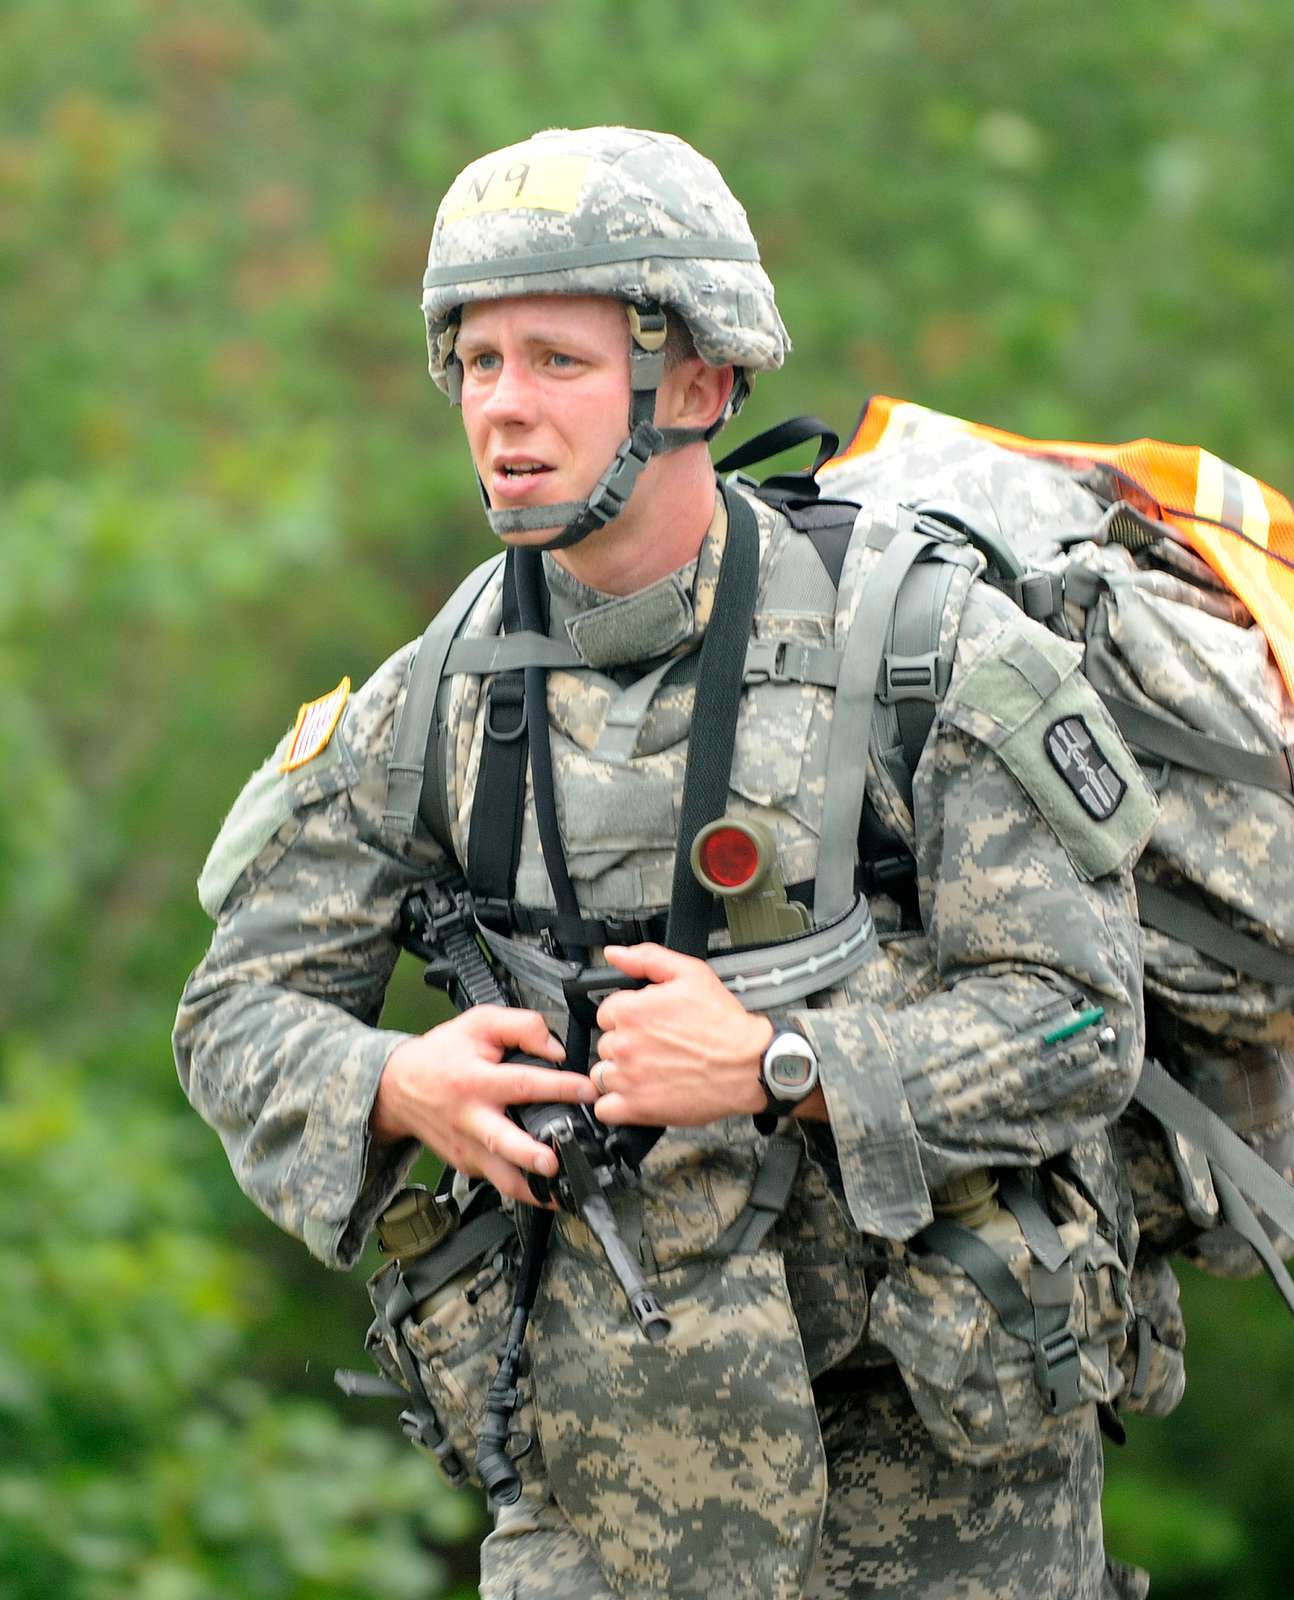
[[1078, 758]]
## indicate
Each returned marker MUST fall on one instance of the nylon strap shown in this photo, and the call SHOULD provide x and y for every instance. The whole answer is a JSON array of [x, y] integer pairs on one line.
[[767, 1201], [1153, 733], [593, 255], [404, 784], [1229, 1156], [847, 749], [767, 660], [1184, 918], [498, 803], [1238, 1214], [714, 722], [476, 1239], [510, 652], [784, 436], [626, 713]]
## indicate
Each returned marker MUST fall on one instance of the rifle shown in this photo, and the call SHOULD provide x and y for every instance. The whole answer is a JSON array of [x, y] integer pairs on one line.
[[437, 926]]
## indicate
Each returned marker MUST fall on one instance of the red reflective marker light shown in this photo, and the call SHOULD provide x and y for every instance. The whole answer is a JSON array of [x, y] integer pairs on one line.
[[729, 857]]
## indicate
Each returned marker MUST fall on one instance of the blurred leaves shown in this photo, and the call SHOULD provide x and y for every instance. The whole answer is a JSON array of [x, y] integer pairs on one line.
[[225, 480]]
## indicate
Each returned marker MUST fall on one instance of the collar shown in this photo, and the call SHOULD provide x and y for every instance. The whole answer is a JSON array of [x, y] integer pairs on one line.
[[661, 620]]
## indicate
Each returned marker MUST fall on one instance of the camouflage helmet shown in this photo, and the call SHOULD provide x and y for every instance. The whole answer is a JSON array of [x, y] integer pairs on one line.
[[635, 215], [640, 217]]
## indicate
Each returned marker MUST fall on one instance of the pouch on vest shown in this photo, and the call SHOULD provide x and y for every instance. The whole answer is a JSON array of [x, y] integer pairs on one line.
[[436, 1333], [1002, 1330]]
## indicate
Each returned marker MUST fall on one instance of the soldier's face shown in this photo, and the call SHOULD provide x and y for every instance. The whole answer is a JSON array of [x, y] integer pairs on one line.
[[545, 397]]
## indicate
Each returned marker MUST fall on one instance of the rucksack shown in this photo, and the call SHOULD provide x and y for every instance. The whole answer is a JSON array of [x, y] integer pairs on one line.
[[1175, 573]]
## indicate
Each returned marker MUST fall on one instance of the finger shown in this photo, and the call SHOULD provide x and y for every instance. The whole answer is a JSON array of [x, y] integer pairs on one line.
[[511, 1029], [613, 1109], [500, 1140], [654, 962], [517, 1085], [508, 1181]]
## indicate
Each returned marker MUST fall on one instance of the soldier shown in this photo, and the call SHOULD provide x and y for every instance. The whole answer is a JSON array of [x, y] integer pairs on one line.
[[848, 1402]]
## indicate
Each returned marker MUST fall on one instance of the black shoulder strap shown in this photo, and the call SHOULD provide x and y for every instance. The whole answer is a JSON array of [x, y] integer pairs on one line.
[[498, 806]]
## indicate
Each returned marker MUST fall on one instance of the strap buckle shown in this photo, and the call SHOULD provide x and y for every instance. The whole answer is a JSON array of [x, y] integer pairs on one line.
[[1039, 595], [776, 661], [1057, 1368], [507, 692], [923, 677]]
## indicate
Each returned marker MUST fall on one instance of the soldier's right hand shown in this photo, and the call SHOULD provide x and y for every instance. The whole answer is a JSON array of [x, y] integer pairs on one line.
[[451, 1088]]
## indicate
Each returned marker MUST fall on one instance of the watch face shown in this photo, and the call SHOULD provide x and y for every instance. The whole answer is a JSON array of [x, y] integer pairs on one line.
[[788, 1072], [790, 1069]]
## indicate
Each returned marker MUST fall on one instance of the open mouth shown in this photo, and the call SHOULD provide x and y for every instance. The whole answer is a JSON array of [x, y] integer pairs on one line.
[[517, 480]]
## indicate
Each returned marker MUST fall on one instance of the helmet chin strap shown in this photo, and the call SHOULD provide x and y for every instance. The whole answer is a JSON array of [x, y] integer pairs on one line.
[[576, 519]]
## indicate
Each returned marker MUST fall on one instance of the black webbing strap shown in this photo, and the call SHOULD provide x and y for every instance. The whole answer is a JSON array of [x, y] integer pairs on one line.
[[714, 723], [1040, 1318], [532, 597], [1183, 917], [498, 803], [785, 436], [1155, 734]]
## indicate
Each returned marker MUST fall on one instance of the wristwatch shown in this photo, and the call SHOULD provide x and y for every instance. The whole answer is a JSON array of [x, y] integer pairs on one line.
[[789, 1073]]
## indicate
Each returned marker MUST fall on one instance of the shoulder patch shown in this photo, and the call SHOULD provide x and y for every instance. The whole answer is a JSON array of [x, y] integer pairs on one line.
[[1027, 700], [315, 725], [1075, 754]]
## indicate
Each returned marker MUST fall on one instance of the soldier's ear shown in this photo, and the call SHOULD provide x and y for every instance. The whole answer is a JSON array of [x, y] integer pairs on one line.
[[693, 394]]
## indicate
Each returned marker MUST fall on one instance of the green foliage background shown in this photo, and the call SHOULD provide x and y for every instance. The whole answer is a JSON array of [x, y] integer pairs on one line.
[[225, 480]]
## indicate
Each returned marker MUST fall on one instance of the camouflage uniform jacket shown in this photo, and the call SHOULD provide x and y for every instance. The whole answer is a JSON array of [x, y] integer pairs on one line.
[[931, 1053]]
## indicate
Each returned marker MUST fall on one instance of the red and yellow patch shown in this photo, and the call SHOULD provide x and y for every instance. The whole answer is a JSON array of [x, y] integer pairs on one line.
[[316, 723]]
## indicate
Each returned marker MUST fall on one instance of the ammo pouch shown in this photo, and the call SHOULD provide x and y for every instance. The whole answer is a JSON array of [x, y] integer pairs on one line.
[[1002, 1329], [440, 1319]]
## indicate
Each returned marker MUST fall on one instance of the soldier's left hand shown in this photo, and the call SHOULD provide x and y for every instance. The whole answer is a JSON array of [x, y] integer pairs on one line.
[[682, 1050]]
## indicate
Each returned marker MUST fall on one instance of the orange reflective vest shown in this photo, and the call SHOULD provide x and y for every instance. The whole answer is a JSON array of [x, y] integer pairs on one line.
[[1243, 528]]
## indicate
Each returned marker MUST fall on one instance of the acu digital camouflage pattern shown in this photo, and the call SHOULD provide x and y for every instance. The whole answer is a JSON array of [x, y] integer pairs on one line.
[[1163, 633], [902, 1520], [932, 1063], [611, 211]]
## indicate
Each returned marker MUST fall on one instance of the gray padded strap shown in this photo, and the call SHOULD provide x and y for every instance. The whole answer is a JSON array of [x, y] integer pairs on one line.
[[510, 652], [619, 736], [916, 675], [765, 978], [847, 750], [1146, 730], [1184, 919], [409, 747], [1229, 1156], [1238, 1214]]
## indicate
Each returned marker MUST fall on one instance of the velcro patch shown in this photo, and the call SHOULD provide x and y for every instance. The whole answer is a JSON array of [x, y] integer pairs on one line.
[[316, 723], [1075, 754]]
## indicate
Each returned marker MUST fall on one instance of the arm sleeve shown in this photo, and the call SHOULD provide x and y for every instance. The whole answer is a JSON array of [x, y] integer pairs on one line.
[[1030, 1036], [275, 1040]]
